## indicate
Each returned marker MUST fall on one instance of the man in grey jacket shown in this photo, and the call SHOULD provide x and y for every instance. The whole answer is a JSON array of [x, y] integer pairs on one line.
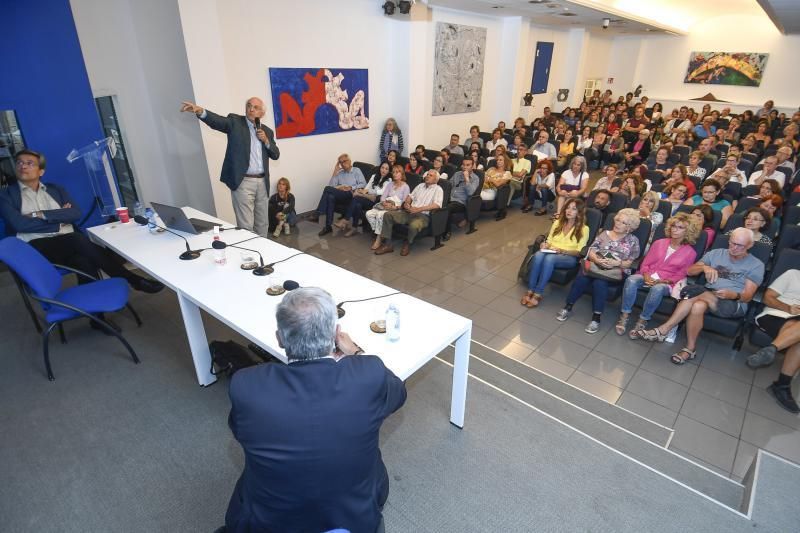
[[463, 185]]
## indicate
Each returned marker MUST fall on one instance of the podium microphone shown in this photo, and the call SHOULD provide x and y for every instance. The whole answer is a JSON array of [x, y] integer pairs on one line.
[[263, 270], [188, 255]]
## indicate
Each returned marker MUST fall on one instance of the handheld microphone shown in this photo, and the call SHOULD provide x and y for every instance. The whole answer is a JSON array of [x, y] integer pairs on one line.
[[263, 270], [188, 255]]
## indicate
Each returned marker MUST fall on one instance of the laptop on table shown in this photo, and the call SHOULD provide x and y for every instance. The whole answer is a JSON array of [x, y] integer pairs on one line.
[[175, 219]]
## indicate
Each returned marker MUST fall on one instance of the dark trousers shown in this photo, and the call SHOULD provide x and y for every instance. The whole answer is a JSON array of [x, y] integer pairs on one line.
[[457, 211], [608, 157], [355, 211], [600, 288], [272, 212], [77, 251], [332, 196], [545, 195]]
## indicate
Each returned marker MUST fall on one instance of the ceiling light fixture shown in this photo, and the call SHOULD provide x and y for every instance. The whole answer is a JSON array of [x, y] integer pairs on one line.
[[388, 7]]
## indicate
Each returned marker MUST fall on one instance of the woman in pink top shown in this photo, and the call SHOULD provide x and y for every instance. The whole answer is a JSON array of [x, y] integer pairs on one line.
[[664, 265]]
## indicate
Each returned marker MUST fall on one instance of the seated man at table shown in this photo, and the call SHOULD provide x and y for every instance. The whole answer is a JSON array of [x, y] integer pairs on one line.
[[415, 212], [309, 429], [43, 214], [344, 180], [732, 278]]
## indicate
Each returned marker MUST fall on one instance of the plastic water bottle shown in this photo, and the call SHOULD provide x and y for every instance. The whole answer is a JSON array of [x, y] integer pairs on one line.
[[151, 220], [138, 209], [392, 323]]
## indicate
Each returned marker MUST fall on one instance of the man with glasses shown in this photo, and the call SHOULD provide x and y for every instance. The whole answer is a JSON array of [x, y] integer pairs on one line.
[[245, 169], [732, 277], [462, 186], [768, 172], [730, 172], [543, 149], [344, 180]]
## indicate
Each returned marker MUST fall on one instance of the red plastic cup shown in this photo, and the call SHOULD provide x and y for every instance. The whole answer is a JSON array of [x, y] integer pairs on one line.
[[122, 214]]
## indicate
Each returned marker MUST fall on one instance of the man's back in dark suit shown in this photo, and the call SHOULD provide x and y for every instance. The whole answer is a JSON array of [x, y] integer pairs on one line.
[[310, 436]]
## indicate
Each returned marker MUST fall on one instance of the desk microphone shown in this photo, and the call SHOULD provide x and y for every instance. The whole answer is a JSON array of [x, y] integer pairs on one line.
[[263, 270], [340, 309], [290, 285], [188, 255]]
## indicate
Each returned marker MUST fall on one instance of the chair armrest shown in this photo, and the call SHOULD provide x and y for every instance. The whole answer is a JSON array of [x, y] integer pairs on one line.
[[80, 273]]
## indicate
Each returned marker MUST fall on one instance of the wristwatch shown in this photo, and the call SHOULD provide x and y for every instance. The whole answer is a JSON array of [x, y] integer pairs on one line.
[[738, 297]]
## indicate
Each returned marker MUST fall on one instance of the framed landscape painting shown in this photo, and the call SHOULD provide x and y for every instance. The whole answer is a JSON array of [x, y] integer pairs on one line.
[[726, 68]]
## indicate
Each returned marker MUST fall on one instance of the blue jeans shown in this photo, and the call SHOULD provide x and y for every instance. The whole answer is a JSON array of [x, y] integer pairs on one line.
[[331, 197], [542, 266], [651, 303], [355, 211], [599, 288]]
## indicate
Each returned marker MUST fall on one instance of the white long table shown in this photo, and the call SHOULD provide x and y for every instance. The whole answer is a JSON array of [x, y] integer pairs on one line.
[[238, 298]]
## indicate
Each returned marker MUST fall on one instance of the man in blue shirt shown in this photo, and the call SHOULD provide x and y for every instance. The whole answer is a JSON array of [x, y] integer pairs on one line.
[[344, 180], [464, 183]]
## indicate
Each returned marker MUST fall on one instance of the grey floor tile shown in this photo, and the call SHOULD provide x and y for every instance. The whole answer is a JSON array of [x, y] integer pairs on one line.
[[480, 295], [525, 334], [460, 306], [721, 387], [498, 283], [659, 363], [563, 351], [704, 442], [450, 284], [470, 273], [712, 412], [510, 348], [406, 284], [426, 274], [382, 275], [445, 264], [541, 319], [771, 436], [729, 364], [549, 366], [764, 404], [765, 376], [574, 330], [608, 369], [700, 462], [507, 306], [621, 347], [745, 455], [490, 320], [647, 409], [595, 386], [481, 335], [431, 294], [657, 389]]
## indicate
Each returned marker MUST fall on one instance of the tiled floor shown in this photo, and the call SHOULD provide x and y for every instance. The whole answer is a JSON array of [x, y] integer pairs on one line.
[[719, 408]]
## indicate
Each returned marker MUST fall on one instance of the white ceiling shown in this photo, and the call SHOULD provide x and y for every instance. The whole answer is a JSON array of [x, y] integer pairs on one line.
[[785, 14]]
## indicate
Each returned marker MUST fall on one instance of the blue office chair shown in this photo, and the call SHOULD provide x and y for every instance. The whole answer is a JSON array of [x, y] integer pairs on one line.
[[42, 283]]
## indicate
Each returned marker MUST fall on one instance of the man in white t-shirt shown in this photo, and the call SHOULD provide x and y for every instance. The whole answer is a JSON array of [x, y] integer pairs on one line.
[[769, 172], [781, 320]]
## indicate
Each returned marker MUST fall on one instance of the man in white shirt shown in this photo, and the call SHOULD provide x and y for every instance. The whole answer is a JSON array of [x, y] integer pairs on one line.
[[781, 320], [678, 124], [768, 172], [730, 172], [784, 155], [545, 149], [415, 213]]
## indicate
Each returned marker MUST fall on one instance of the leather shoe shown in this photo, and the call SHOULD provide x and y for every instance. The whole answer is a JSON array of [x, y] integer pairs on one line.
[[446, 236], [325, 231], [783, 395], [500, 215], [147, 285], [384, 249], [405, 249]]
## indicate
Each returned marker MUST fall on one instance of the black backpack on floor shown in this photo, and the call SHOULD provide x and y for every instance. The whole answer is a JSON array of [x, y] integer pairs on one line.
[[229, 356], [525, 267]]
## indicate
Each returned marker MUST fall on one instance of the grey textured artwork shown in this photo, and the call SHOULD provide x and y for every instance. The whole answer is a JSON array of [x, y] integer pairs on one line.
[[458, 68]]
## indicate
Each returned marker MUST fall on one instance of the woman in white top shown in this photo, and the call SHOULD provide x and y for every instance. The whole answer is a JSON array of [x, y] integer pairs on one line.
[[694, 169], [394, 193], [730, 172], [542, 187], [438, 163], [496, 140], [584, 140], [607, 180], [363, 199], [573, 183]]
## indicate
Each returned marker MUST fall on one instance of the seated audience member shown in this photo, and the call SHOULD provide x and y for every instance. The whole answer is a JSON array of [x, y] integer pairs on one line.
[[477, 160], [784, 157], [364, 198], [391, 139], [757, 220], [344, 180], [43, 215], [637, 151], [584, 141], [520, 172], [413, 166], [573, 183], [694, 169], [779, 320], [438, 164], [679, 124], [474, 137], [761, 134], [703, 215], [280, 209], [606, 181], [773, 205], [614, 149], [420, 152], [764, 111], [767, 189], [648, 208], [464, 183], [602, 202], [558, 133], [632, 130], [612, 252], [675, 195], [393, 194], [681, 175], [454, 147], [496, 140], [567, 237], [709, 195], [541, 187], [566, 149], [543, 147], [705, 129], [391, 157], [445, 153], [594, 153], [496, 177], [732, 277], [415, 213], [661, 164], [501, 126], [548, 119], [730, 172], [770, 171], [704, 148], [499, 151], [514, 146], [663, 266], [790, 136], [613, 124], [630, 185], [309, 429]]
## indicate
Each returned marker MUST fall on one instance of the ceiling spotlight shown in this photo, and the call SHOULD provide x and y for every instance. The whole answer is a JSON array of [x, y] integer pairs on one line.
[[388, 7], [606, 23], [405, 7]]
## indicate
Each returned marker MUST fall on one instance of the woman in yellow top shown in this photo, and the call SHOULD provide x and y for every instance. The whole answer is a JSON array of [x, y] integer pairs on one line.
[[568, 236], [496, 177], [566, 149]]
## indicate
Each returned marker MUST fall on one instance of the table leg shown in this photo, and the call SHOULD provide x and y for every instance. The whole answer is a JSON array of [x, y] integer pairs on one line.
[[198, 343], [458, 400]]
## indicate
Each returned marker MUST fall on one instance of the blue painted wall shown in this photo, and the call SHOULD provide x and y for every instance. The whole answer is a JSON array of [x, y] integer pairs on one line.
[[45, 82]]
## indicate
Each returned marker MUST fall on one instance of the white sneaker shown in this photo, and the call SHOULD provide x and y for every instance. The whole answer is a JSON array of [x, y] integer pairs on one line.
[[277, 231], [287, 229], [593, 327], [563, 315]]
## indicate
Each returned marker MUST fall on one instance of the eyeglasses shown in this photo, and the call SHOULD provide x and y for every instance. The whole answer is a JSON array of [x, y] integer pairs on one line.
[[737, 244], [343, 161], [27, 163]]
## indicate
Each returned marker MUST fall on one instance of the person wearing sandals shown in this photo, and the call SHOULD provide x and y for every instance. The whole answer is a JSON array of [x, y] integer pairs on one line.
[[613, 252], [364, 199], [542, 186], [280, 209], [567, 237], [392, 196], [665, 264], [732, 278]]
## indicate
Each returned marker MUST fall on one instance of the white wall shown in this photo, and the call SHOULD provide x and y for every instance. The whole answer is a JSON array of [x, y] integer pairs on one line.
[[559, 67], [135, 50]]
